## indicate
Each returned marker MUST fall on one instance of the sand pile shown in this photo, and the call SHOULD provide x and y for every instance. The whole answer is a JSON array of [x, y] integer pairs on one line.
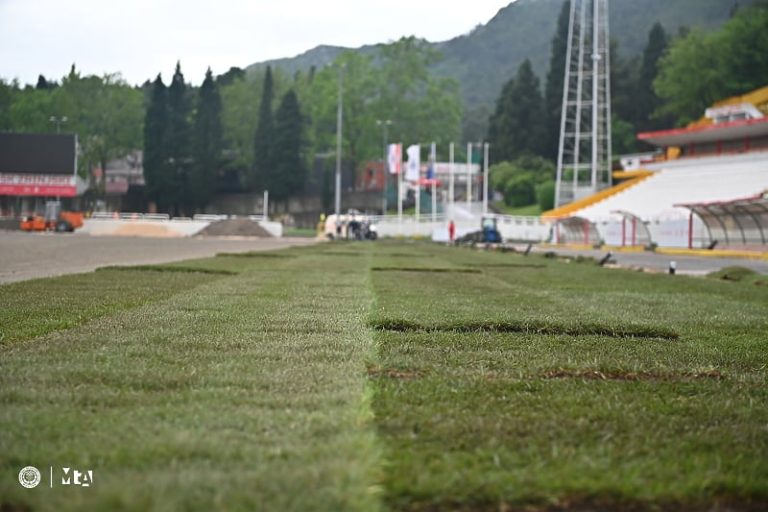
[[144, 229], [235, 227]]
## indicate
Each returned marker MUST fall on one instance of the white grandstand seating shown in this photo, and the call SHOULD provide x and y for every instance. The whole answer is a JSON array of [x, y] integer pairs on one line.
[[692, 180]]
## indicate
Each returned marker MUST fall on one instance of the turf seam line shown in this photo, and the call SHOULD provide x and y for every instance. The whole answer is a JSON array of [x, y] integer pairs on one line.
[[162, 268], [528, 327], [428, 269]]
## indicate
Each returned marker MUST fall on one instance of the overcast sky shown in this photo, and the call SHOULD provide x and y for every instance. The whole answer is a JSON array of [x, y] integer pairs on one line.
[[140, 38]]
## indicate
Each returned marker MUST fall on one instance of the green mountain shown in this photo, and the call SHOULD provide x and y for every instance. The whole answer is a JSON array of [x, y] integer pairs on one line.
[[484, 59]]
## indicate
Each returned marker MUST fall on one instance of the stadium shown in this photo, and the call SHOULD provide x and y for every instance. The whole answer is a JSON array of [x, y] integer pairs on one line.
[[705, 186], [289, 287]]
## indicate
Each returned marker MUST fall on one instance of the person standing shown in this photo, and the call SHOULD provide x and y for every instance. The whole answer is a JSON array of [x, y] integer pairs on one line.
[[452, 231]]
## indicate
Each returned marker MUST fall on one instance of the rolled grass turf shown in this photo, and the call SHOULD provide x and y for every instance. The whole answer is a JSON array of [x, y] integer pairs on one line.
[[298, 382]]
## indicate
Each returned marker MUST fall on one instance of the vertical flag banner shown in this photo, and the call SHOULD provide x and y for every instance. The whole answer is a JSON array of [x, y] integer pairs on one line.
[[432, 162], [395, 158], [414, 163]]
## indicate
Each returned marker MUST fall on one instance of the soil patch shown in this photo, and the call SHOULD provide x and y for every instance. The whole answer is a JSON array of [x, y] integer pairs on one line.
[[527, 326], [630, 376], [428, 269], [392, 373], [235, 227]]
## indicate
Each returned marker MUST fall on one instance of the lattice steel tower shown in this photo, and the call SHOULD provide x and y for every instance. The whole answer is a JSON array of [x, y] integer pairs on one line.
[[584, 154]]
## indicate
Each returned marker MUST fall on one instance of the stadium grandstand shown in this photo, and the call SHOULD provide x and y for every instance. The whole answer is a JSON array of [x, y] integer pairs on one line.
[[707, 184]]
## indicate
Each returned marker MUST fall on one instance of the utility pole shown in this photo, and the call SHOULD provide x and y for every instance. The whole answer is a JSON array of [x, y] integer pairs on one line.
[[339, 121], [58, 121], [469, 177], [452, 171], [485, 178]]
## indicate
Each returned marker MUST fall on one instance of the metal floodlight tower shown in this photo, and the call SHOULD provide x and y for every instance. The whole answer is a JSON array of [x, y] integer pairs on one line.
[[584, 153]]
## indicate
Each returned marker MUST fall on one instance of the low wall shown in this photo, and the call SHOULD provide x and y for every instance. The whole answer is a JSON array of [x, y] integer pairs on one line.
[[519, 229], [158, 228], [274, 228]]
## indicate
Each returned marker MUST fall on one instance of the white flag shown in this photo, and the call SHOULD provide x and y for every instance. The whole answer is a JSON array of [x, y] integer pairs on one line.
[[395, 158], [413, 165]]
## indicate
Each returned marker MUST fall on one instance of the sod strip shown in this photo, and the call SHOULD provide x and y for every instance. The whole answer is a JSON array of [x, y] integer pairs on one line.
[[40, 306], [248, 393], [476, 414]]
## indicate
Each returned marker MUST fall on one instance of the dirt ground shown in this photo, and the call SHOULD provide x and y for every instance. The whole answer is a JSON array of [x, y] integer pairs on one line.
[[33, 255], [235, 227]]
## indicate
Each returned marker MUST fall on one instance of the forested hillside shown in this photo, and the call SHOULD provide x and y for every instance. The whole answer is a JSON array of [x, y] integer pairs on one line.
[[484, 59]]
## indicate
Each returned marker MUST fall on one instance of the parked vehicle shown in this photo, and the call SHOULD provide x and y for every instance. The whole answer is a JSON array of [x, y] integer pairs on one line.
[[54, 220], [350, 226]]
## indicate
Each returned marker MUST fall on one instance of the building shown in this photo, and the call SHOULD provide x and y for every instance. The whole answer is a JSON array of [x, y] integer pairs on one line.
[[720, 159]]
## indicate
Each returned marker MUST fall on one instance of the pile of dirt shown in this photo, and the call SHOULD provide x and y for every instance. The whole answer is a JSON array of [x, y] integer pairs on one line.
[[235, 227]]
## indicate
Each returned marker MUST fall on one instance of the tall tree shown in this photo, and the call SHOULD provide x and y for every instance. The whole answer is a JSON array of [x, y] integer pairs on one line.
[[234, 73], [646, 101], [421, 106], [264, 136], [178, 140], [43, 83], [700, 68], [207, 143], [517, 126], [286, 176], [8, 95], [553, 93], [624, 110], [104, 111], [396, 85], [158, 182]]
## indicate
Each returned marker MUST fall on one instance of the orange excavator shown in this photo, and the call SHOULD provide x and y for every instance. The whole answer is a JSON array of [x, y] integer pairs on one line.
[[54, 220]]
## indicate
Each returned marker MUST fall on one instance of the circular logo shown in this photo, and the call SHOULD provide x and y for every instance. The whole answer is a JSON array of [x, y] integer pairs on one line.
[[29, 477]]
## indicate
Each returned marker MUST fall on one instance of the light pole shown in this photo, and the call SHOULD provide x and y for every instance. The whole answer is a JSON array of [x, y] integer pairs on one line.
[[485, 178], [339, 121], [385, 124], [58, 121]]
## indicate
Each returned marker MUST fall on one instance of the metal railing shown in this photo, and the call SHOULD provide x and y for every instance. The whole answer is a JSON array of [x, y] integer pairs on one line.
[[130, 216], [164, 217]]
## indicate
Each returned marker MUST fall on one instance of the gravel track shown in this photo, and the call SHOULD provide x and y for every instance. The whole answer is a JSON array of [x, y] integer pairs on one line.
[[33, 255]]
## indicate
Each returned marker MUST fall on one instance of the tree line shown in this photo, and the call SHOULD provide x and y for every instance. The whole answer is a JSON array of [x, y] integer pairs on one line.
[[245, 131], [670, 84]]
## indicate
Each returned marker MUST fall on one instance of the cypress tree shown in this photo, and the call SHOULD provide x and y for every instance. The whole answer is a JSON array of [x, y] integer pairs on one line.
[[287, 174], [178, 141], [155, 154], [44, 84], [207, 143], [498, 127], [553, 94], [264, 137], [646, 100], [517, 125]]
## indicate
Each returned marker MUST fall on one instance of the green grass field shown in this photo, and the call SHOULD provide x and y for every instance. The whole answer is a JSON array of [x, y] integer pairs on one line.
[[385, 376]]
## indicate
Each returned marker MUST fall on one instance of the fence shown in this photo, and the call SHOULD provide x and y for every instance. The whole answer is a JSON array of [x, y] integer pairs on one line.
[[512, 228]]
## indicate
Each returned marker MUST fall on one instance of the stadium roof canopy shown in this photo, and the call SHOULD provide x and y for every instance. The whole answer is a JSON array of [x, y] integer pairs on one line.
[[733, 130], [742, 221]]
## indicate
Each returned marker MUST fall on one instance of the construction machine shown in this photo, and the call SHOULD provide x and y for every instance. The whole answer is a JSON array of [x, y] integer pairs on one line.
[[54, 220], [488, 233]]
